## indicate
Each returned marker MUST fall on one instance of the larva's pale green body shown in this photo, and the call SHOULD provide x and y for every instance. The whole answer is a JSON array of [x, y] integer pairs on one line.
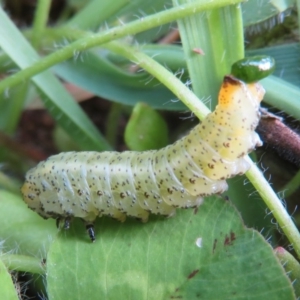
[[91, 184]]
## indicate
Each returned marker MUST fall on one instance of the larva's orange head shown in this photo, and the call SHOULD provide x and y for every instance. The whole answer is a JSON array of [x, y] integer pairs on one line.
[[234, 90]]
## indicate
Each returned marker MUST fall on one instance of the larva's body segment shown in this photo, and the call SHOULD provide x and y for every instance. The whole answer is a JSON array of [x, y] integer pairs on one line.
[[91, 184]]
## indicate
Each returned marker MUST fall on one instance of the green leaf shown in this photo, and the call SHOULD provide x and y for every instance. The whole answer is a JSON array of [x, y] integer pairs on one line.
[[282, 95], [256, 11], [239, 275], [23, 230], [210, 251], [23, 263], [146, 129], [286, 58], [7, 288]]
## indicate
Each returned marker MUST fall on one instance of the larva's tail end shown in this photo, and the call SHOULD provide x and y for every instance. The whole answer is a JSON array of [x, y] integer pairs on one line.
[[31, 198], [25, 190]]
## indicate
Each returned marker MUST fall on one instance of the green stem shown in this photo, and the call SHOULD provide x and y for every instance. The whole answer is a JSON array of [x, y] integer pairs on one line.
[[23, 263], [275, 205], [291, 266], [40, 21], [92, 40]]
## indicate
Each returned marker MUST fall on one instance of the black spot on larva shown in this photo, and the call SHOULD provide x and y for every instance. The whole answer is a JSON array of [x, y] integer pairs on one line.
[[191, 180]]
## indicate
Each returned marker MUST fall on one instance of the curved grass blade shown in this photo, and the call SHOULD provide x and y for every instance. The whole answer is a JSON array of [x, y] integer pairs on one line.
[[257, 11], [96, 74]]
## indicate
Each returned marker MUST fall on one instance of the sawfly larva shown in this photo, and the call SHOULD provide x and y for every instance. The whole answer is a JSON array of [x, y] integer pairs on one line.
[[94, 184]]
